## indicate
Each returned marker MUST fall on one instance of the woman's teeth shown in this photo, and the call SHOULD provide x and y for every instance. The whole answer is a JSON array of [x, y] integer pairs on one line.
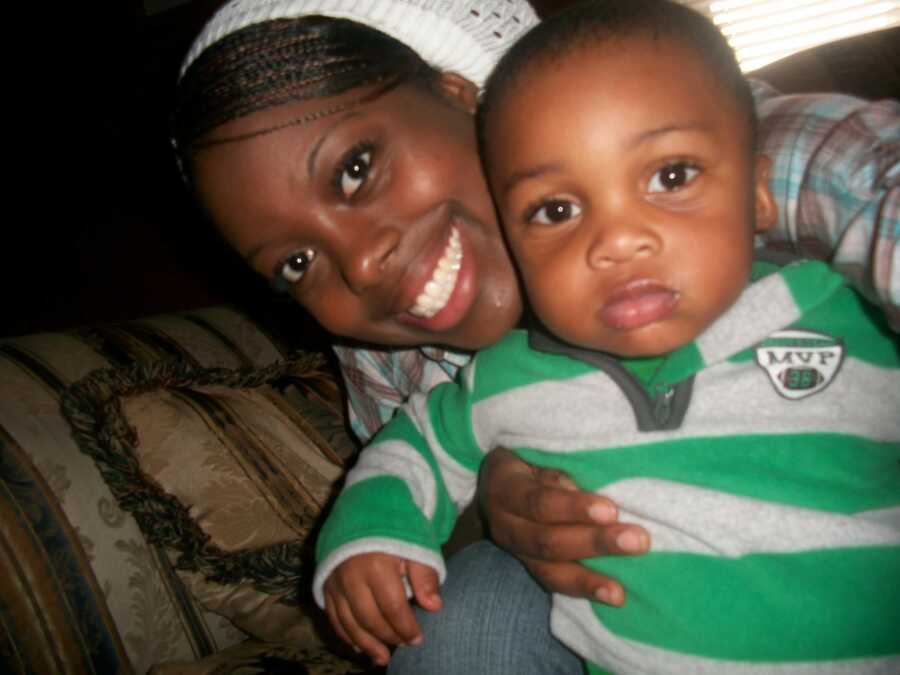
[[438, 290]]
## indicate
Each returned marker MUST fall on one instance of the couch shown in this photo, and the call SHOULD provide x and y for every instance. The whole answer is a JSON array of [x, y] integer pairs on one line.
[[160, 480]]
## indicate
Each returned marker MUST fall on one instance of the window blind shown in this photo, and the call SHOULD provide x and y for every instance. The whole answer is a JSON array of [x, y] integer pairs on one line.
[[762, 31]]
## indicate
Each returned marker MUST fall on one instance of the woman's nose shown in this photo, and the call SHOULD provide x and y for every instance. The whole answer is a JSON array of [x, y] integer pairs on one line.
[[616, 244], [367, 255]]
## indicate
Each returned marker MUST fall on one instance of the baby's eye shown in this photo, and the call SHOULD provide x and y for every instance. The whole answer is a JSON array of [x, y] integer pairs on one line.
[[353, 170], [554, 212], [291, 270], [673, 177]]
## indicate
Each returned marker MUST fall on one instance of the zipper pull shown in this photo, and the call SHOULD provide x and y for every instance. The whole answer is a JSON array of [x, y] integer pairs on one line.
[[662, 404]]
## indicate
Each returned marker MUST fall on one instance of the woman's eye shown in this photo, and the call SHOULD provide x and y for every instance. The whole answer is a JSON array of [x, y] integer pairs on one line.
[[554, 212], [673, 177], [352, 172], [291, 270]]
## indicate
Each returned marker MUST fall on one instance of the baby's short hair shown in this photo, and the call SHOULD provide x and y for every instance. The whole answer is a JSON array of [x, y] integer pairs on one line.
[[598, 21]]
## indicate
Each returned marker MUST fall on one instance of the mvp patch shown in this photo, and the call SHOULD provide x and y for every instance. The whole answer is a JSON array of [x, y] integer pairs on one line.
[[800, 363]]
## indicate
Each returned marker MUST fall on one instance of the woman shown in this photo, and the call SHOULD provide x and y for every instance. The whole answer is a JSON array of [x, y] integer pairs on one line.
[[344, 168]]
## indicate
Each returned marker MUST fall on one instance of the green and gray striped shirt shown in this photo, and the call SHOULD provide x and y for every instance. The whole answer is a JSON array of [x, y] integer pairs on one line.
[[763, 458]]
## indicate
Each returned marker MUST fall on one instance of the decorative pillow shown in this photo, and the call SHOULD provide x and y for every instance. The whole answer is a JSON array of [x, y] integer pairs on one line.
[[225, 470]]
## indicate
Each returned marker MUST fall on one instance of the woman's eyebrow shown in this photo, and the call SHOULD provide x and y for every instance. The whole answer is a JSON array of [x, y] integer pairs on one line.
[[259, 248], [255, 251], [314, 151]]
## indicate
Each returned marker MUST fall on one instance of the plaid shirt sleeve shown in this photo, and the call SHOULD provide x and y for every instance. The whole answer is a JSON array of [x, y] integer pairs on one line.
[[836, 179], [379, 381]]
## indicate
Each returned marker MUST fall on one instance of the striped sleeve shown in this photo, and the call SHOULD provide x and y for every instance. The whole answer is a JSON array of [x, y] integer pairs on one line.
[[403, 496]]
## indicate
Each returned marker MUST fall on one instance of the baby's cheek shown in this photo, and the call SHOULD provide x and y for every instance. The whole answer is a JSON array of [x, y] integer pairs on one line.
[[555, 304]]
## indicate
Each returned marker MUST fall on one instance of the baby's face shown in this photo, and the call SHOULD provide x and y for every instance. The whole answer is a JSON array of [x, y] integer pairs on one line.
[[629, 194]]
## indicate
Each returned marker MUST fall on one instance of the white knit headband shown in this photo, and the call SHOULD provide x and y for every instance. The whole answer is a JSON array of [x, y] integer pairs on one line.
[[463, 36]]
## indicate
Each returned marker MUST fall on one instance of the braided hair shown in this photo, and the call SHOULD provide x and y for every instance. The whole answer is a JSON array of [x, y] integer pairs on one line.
[[282, 61]]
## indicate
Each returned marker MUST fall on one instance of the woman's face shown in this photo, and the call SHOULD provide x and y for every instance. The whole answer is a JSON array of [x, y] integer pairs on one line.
[[378, 216]]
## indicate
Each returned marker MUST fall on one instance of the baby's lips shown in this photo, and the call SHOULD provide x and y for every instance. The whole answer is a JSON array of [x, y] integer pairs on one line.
[[638, 304]]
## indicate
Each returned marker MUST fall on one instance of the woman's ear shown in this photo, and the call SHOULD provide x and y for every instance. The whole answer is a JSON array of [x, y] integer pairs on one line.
[[459, 91], [765, 211]]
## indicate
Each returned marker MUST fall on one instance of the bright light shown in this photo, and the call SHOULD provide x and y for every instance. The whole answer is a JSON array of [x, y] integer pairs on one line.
[[762, 31], [799, 18], [759, 56], [753, 8], [847, 20]]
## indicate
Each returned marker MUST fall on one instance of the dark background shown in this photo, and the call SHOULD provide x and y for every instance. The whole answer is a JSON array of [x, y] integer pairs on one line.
[[105, 230]]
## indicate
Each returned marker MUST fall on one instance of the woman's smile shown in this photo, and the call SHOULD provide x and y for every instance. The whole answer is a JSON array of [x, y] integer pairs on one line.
[[437, 290]]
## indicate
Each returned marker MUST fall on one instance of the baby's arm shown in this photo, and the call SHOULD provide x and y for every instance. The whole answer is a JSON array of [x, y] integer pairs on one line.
[[398, 505], [366, 601]]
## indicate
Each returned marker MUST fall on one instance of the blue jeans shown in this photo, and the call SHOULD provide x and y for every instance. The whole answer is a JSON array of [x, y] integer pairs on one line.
[[495, 621]]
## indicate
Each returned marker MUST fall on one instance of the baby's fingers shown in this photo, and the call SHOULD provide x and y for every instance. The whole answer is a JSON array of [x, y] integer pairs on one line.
[[349, 629], [335, 620], [395, 607], [424, 582]]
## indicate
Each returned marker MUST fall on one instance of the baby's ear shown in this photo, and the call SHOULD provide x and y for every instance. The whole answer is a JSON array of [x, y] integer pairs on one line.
[[766, 210], [459, 91]]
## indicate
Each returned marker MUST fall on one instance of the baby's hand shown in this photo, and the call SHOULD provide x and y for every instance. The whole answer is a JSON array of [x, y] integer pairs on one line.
[[366, 602]]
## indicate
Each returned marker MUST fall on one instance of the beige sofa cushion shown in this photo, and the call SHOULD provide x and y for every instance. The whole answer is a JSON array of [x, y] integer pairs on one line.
[[228, 471]]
